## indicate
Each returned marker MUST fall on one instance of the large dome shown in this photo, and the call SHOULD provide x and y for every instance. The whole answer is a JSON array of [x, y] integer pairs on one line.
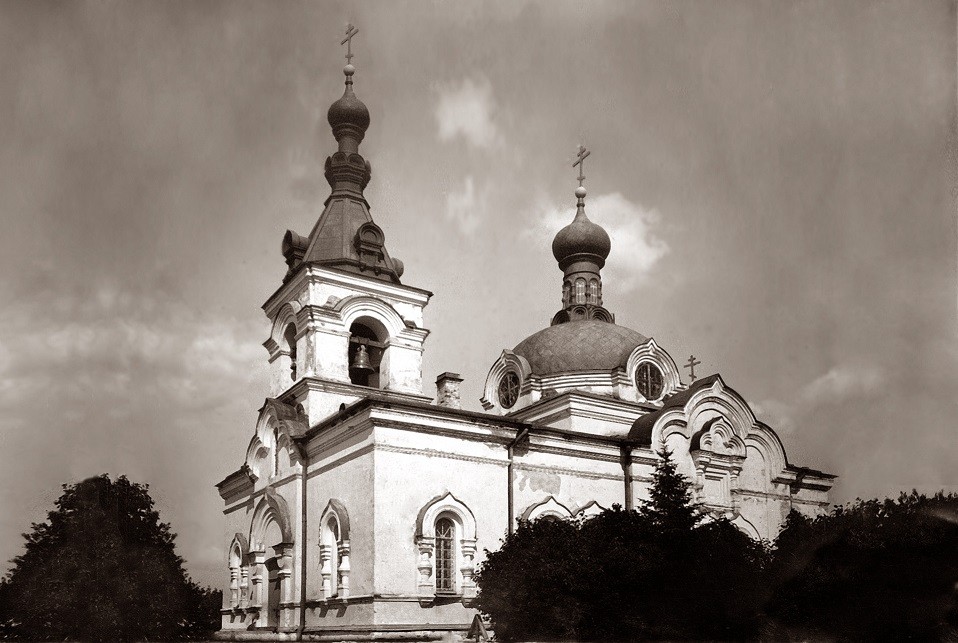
[[575, 346]]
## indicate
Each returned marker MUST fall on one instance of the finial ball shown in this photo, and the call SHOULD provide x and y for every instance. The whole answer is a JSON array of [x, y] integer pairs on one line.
[[349, 70], [580, 192]]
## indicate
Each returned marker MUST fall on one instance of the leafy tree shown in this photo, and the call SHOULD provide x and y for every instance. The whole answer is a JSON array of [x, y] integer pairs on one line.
[[873, 570], [103, 567], [662, 572], [532, 583]]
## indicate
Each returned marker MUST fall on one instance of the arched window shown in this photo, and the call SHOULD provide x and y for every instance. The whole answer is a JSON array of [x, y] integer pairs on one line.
[[580, 291], [334, 551], [445, 555], [329, 557], [566, 293], [594, 291], [239, 572], [446, 540], [366, 349], [290, 336]]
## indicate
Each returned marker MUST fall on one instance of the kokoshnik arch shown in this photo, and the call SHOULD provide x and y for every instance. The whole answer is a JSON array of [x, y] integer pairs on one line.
[[364, 505]]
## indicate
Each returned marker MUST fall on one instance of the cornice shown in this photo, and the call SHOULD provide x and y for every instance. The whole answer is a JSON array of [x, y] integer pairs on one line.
[[309, 274], [592, 475], [434, 453]]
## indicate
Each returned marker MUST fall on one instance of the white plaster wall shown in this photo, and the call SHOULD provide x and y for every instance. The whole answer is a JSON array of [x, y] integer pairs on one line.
[[573, 481], [343, 471], [405, 482], [403, 367], [279, 375]]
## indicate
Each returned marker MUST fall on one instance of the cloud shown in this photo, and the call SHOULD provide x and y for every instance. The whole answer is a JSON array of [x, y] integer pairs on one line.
[[464, 206], [466, 110], [778, 415], [636, 248], [124, 379], [842, 383]]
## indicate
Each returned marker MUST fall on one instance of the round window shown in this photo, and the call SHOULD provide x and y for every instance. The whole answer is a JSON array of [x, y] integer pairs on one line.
[[648, 379], [508, 390]]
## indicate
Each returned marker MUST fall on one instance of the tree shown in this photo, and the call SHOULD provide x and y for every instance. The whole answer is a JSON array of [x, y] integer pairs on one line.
[[875, 569], [670, 505], [662, 572], [103, 567], [532, 584]]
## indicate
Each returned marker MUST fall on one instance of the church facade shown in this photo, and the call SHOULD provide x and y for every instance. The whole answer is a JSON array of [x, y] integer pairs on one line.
[[363, 504]]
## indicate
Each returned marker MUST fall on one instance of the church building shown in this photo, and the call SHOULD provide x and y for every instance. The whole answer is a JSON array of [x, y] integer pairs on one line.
[[364, 503]]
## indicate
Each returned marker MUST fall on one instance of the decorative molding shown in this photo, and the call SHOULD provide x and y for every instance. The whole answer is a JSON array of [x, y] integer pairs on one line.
[[651, 352], [548, 507], [508, 361], [434, 453], [425, 537], [518, 466]]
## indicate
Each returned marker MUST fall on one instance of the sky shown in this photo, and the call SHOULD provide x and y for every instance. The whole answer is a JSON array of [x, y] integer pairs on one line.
[[778, 180]]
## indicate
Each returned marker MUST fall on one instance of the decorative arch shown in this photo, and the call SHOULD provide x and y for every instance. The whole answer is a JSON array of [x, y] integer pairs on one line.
[[338, 509], [447, 503], [589, 510], [276, 427], [353, 307], [508, 361], [548, 507], [257, 458], [652, 353], [448, 508], [717, 437], [768, 443], [271, 507], [286, 315], [239, 550], [746, 527], [719, 399]]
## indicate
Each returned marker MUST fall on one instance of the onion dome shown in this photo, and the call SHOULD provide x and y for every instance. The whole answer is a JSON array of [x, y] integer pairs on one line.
[[581, 239], [348, 114], [579, 346]]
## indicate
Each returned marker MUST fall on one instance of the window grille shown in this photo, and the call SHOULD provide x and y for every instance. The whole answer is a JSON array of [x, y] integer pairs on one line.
[[445, 555]]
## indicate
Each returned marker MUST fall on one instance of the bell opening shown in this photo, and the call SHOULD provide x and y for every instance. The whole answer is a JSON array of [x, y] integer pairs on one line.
[[366, 350]]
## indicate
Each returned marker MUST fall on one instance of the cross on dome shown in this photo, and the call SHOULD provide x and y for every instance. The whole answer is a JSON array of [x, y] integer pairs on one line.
[[580, 157], [348, 41]]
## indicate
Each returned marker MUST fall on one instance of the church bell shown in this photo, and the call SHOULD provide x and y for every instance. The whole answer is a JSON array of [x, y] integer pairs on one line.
[[361, 363]]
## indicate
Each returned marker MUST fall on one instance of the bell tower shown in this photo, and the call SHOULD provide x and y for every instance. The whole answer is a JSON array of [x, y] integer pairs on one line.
[[344, 326]]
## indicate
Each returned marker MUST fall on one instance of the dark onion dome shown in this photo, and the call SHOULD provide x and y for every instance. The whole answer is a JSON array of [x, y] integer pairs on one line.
[[578, 346], [348, 110], [581, 237]]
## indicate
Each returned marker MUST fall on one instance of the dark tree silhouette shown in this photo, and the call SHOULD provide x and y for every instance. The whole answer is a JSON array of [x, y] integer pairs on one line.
[[532, 584], [103, 567], [670, 505], [871, 570], [662, 572]]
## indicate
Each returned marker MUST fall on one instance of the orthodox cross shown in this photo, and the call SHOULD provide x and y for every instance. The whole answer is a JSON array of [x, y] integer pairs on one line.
[[348, 41], [692, 363], [579, 158]]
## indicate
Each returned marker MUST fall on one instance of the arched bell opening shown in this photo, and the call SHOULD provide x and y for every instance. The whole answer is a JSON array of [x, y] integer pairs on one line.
[[289, 338], [367, 348]]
